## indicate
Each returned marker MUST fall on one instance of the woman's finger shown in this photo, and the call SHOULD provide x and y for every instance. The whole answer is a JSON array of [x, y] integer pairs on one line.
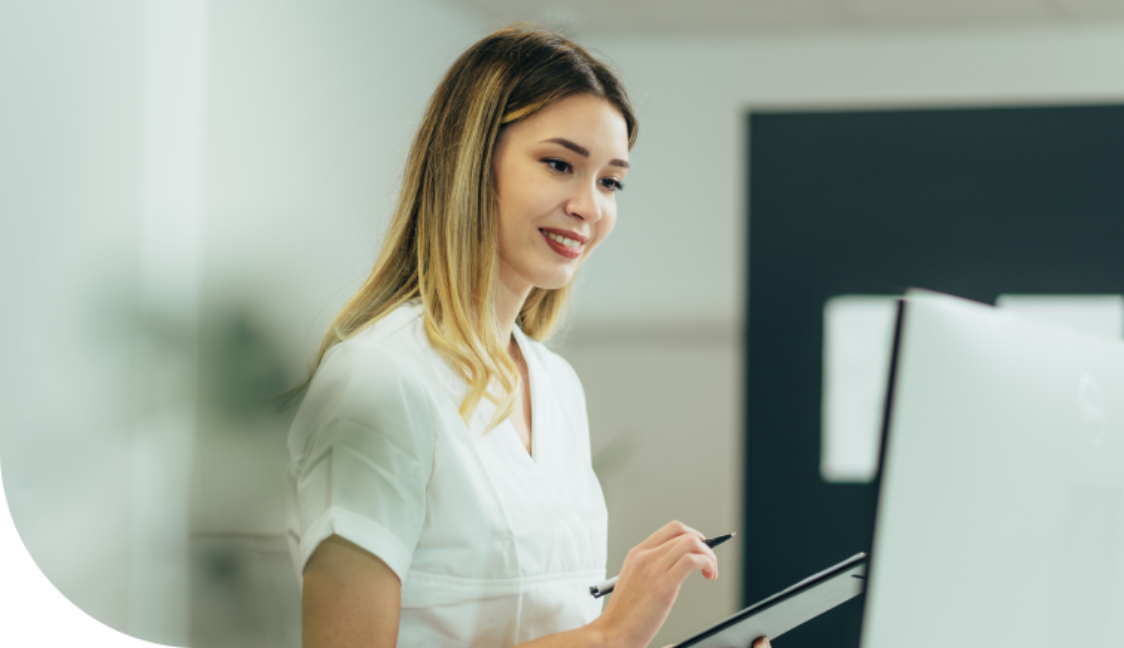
[[686, 564], [763, 642], [671, 530], [686, 554]]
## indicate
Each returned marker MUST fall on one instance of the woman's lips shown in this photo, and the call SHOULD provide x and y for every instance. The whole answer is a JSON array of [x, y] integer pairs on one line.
[[564, 250]]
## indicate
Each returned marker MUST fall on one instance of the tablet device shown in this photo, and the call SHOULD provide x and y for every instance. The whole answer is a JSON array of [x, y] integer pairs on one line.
[[785, 610]]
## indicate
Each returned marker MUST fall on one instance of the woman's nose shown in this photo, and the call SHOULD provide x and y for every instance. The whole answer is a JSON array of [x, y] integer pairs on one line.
[[585, 203]]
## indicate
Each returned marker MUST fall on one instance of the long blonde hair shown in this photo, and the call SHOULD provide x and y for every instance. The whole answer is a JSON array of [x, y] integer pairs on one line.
[[442, 243]]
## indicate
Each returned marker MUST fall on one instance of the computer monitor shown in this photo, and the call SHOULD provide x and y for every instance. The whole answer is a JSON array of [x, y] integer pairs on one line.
[[1001, 495]]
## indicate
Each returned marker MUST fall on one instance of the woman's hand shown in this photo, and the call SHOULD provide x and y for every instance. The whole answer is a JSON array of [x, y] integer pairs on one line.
[[649, 583]]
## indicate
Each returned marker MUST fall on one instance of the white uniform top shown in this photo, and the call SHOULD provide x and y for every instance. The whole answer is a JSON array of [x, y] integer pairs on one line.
[[494, 547]]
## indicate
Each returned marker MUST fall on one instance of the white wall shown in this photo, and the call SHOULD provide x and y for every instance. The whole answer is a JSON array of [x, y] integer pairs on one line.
[[669, 286], [678, 250], [312, 106]]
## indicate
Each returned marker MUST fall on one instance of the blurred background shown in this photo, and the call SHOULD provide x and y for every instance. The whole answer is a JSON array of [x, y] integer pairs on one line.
[[190, 189]]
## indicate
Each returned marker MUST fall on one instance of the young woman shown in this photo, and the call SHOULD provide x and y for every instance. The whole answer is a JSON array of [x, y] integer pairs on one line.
[[441, 490]]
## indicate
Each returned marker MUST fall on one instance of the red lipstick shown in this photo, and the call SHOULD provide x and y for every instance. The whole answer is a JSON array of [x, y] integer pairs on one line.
[[562, 249], [570, 234]]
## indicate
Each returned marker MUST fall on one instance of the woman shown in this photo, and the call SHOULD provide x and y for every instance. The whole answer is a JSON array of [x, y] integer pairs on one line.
[[441, 486]]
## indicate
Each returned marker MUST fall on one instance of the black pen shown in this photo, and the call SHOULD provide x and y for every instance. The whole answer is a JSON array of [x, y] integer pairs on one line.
[[601, 589]]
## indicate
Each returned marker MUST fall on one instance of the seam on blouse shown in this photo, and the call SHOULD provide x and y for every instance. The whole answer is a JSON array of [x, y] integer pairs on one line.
[[419, 374], [418, 385], [364, 426], [420, 382], [296, 467]]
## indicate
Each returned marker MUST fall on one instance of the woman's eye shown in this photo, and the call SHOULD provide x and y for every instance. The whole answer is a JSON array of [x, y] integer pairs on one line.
[[559, 166], [612, 184]]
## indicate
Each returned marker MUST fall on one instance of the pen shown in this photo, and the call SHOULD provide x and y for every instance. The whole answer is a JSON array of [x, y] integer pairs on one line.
[[601, 589]]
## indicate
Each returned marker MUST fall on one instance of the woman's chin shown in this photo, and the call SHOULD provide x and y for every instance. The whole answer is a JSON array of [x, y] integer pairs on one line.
[[555, 280]]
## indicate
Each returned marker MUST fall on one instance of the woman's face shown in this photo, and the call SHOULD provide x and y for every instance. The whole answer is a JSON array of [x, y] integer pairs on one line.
[[557, 174]]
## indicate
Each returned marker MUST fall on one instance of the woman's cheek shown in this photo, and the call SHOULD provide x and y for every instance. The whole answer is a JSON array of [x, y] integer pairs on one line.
[[593, 246], [606, 226]]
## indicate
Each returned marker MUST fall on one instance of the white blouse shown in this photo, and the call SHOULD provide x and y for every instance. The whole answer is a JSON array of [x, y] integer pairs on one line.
[[494, 546]]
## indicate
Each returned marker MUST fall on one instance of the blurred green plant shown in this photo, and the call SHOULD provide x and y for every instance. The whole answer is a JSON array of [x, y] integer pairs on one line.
[[241, 367]]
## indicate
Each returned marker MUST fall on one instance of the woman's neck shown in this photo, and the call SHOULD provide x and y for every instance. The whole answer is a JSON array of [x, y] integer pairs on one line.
[[509, 301]]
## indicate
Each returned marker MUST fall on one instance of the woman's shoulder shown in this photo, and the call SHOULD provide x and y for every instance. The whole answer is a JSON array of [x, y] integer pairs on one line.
[[360, 375], [370, 387], [392, 330], [392, 340]]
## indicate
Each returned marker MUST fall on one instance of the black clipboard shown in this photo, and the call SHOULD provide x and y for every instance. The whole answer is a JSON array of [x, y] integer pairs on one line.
[[787, 609]]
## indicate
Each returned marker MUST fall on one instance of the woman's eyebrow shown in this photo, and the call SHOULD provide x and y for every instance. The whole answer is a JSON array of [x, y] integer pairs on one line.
[[582, 151]]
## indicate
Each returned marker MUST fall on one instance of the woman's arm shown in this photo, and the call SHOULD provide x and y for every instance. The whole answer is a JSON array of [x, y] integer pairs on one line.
[[351, 599]]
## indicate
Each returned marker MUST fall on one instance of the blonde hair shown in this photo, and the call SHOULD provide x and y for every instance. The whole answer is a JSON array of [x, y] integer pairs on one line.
[[442, 242]]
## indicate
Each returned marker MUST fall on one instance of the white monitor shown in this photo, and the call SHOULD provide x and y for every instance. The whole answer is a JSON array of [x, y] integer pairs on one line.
[[1001, 500]]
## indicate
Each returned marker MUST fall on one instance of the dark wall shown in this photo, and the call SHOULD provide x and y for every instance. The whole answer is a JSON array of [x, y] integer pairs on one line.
[[970, 202]]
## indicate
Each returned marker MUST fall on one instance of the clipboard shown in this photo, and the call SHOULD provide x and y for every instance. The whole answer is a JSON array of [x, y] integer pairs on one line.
[[787, 609]]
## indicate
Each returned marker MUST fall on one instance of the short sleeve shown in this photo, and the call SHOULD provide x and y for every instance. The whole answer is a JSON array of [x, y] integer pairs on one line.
[[360, 457]]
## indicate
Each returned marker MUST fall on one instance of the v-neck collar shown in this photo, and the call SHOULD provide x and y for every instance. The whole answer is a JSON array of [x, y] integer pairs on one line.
[[528, 357], [457, 388]]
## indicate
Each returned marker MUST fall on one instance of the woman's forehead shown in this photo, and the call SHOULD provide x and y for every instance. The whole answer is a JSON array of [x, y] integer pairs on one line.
[[590, 122]]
